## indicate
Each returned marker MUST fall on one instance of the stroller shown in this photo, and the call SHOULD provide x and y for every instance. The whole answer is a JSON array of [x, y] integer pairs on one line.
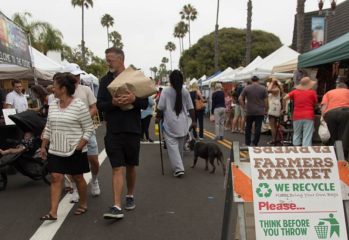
[[28, 162], [284, 132]]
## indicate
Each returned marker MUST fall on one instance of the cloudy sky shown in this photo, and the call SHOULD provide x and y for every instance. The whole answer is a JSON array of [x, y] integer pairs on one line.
[[147, 25]]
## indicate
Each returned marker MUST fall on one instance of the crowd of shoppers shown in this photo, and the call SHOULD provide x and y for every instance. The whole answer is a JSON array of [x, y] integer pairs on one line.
[[70, 147]]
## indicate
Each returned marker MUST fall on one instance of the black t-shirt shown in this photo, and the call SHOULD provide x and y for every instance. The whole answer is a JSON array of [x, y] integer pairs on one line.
[[119, 121]]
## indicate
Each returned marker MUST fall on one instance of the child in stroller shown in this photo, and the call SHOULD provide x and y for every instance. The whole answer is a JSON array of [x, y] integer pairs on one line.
[[24, 155], [27, 144]]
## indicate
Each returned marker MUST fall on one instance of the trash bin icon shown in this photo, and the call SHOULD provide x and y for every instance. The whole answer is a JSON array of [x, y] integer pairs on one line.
[[321, 230]]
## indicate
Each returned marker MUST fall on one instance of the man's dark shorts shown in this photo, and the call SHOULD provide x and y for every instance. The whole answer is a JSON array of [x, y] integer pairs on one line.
[[122, 149]]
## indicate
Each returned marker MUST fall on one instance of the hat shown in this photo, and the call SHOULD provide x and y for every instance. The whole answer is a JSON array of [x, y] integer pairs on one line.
[[255, 79], [73, 68], [305, 84]]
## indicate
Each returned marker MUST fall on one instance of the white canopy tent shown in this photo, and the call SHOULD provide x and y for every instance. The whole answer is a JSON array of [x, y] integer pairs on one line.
[[194, 80], [289, 66], [226, 72], [250, 67], [265, 67], [203, 78], [43, 67], [91, 81], [230, 76], [44, 63], [207, 81]]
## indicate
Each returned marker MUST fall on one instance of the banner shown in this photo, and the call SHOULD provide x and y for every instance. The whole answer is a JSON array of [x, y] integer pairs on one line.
[[317, 32], [13, 43], [297, 193]]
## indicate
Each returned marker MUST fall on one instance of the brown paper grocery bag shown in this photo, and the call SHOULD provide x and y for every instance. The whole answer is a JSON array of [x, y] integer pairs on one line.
[[133, 81]]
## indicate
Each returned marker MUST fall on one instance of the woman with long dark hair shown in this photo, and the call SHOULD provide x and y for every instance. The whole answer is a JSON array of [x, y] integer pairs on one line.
[[176, 104]]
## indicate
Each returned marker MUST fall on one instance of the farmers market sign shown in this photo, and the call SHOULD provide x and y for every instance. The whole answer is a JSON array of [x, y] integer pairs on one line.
[[296, 193]]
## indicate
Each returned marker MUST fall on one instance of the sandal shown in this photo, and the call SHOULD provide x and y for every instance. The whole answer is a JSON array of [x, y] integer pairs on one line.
[[48, 217], [80, 210]]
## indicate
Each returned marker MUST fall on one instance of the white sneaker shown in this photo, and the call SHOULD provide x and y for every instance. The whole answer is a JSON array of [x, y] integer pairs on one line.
[[95, 190], [74, 196]]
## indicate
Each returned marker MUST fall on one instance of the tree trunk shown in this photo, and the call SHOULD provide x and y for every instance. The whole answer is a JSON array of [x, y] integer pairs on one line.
[[216, 40], [171, 59], [248, 33], [82, 37], [180, 46], [189, 33], [300, 25], [108, 36]]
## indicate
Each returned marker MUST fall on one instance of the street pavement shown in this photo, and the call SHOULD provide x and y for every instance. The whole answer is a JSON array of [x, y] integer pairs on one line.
[[167, 207]]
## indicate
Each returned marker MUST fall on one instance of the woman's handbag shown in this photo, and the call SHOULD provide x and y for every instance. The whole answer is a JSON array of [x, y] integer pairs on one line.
[[323, 132], [274, 106]]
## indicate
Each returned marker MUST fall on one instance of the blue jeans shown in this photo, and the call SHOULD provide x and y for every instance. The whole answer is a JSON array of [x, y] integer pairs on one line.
[[303, 132]]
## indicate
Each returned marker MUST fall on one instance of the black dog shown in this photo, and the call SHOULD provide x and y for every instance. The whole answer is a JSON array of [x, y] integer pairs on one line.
[[207, 151]]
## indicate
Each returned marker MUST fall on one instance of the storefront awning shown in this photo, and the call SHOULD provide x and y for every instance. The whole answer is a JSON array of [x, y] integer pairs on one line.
[[333, 51]]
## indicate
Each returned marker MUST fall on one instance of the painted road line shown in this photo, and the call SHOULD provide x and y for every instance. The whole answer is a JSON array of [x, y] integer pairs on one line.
[[213, 135], [210, 135], [48, 229], [154, 142]]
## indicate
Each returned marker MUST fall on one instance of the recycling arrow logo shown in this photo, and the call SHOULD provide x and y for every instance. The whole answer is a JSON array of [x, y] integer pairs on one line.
[[263, 190]]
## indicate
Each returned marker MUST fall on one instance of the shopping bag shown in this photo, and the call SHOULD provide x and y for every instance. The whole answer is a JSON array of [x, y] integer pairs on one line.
[[134, 81], [323, 131], [200, 104]]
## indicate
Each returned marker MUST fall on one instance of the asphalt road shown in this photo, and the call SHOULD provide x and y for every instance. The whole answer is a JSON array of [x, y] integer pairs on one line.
[[167, 207]]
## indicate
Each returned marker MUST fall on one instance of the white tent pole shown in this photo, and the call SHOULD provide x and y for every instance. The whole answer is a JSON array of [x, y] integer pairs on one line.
[[32, 60]]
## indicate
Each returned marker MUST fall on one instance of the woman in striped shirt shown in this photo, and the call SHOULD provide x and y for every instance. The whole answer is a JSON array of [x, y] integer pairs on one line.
[[68, 129]]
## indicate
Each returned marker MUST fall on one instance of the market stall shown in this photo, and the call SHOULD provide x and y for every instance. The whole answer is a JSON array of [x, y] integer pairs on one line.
[[330, 61]]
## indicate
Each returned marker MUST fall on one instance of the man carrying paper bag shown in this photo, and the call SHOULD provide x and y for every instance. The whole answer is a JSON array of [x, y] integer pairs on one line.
[[122, 140], [133, 81]]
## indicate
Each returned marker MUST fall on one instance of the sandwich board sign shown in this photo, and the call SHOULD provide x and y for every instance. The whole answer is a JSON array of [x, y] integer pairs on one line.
[[297, 193]]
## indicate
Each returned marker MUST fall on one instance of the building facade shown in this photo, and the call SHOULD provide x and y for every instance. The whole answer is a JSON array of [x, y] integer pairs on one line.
[[322, 28]]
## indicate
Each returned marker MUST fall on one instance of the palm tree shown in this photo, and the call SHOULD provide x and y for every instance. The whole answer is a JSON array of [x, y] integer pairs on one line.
[[107, 21], [248, 33], [300, 25], [42, 35], [189, 13], [181, 29], [164, 60], [50, 39], [216, 39], [154, 70], [177, 34], [83, 4], [170, 46], [30, 27], [115, 39]]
